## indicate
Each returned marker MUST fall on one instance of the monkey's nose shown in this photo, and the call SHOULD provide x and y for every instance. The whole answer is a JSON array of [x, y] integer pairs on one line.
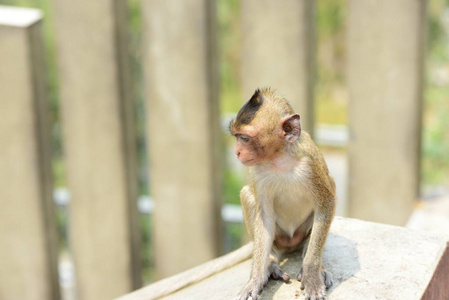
[[237, 152]]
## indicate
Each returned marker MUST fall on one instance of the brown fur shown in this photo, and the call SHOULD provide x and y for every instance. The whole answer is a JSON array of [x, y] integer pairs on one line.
[[290, 202]]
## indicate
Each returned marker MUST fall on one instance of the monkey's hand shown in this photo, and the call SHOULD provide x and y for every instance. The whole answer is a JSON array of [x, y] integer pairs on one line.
[[252, 288], [315, 283]]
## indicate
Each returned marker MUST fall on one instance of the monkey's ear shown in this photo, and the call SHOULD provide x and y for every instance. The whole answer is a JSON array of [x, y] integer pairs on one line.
[[291, 128]]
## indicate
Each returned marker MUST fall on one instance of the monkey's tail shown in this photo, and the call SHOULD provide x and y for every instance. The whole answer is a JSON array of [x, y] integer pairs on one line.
[[174, 283]]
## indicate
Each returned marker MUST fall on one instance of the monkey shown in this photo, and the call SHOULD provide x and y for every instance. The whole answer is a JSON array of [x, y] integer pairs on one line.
[[289, 203]]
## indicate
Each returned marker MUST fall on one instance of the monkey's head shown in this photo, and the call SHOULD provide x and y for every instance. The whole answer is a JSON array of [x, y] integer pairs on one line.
[[263, 128]]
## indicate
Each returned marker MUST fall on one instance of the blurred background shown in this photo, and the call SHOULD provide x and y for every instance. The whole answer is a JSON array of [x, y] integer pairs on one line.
[[116, 165]]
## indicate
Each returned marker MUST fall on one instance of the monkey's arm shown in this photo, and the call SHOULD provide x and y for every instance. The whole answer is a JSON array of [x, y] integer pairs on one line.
[[262, 227], [311, 278]]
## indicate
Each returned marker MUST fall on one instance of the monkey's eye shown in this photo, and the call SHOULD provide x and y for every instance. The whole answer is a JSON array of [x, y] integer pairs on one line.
[[244, 139]]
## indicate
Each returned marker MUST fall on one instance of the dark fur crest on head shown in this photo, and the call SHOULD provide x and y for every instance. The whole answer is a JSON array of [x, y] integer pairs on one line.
[[248, 111], [266, 103]]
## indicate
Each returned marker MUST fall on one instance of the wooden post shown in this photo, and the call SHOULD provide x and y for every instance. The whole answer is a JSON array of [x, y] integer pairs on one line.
[[183, 134], [278, 50], [99, 144], [28, 255], [385, 73]]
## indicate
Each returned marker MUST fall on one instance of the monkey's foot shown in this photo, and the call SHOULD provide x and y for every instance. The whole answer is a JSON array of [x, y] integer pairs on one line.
[[276, 272], [252, 289], [327, 277], [254, 286], [315, 287], [315, 295]]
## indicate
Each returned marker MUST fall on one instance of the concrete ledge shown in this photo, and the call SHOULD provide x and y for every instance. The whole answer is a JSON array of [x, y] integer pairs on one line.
[[368, 261]]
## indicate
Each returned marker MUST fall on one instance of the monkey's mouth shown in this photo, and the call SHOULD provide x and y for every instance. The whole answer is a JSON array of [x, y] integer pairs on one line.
[[247, 161]]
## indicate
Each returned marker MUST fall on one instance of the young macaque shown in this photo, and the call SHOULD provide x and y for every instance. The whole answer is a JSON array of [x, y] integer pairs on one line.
[[289, 203]]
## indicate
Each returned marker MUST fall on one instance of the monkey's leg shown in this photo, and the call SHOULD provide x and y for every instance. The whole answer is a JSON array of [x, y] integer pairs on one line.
[[275, 271]]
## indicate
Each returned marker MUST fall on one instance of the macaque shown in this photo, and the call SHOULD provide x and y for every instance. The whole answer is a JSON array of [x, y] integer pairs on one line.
[[290, 201]]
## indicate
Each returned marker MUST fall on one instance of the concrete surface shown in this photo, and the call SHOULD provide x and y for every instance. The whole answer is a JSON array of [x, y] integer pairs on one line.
[[367, 260], [431, 215]]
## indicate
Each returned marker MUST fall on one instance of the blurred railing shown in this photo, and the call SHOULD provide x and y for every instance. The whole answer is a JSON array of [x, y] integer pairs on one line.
[[385, 70]]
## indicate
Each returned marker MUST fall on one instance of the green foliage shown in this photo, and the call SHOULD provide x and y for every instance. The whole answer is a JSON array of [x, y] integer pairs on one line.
[[233, 179], [436, 43], [234, 236], [435, 136], [61, 223], [228, 14], [330, 111], [233, 183], [330, 17], [58, 172], [135, 22], [330, 91], [435, 143], [146, 251]]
